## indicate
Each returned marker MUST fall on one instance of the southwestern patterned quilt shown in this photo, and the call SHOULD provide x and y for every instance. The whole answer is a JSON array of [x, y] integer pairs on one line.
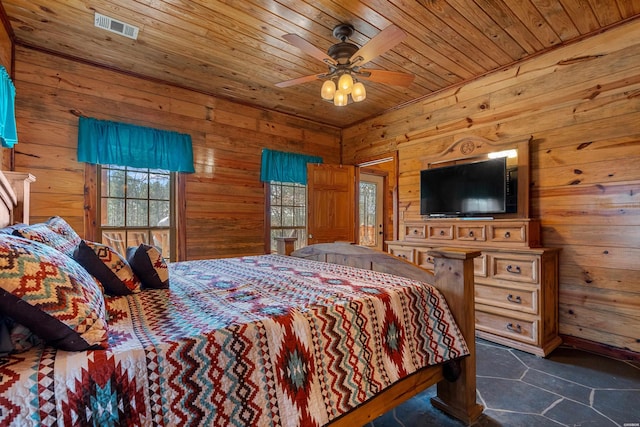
[[254, 341]]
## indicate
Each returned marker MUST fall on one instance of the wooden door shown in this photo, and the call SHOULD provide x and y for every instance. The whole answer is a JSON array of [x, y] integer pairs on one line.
[[331, 203]]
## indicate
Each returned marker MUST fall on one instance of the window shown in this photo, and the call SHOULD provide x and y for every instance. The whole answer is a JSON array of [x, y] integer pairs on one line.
[[367, 213], [371, 210], [288, 212], [136, 206]]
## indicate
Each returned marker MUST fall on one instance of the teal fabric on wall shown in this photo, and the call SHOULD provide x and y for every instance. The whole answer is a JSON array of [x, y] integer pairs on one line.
[[8, 129], [282, 166], [111, 143]]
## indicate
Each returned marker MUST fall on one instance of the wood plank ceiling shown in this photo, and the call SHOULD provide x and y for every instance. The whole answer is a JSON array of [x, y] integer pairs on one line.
[[235, 50]]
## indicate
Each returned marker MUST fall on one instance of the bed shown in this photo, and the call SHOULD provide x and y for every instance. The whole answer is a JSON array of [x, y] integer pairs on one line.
[[331, 335]]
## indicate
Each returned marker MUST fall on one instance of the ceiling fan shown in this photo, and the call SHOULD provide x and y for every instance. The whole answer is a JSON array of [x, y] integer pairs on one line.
[[347, 59]]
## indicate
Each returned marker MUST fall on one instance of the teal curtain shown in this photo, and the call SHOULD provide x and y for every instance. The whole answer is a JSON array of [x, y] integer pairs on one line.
[[8, 130], [111, 143], [285, 167]]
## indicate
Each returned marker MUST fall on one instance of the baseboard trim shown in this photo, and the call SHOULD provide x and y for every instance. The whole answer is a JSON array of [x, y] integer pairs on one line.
[[599, 348]]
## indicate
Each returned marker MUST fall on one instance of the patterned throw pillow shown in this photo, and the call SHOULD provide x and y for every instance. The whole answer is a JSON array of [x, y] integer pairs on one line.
[[14, 337], [10, 229], [51, 295], [108, 266], [149, 265], [60, 226], [43, 234]]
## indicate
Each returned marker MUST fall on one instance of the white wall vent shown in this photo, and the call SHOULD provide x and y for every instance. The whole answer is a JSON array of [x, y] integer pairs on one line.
[[113, 25]]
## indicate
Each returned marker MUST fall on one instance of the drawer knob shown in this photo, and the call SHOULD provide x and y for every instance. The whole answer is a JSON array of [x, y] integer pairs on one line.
[[516, 328], [471, 233], [415, 231], [442, 232], [514, 269], [507, 235], [516, 300]]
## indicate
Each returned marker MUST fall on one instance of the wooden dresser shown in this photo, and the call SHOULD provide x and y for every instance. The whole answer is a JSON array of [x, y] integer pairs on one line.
[[516, 282]]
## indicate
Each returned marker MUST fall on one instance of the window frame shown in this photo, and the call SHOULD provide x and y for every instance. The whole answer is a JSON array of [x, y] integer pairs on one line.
[[302, 240], [92, 198]]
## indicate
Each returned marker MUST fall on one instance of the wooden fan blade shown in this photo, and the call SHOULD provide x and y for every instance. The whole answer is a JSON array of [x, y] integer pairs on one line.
[[299, 80], [382, 42], [308, 48], [394, 78]]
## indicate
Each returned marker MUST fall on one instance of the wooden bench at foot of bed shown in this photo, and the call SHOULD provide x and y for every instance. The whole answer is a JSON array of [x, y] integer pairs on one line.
[[453, 276]]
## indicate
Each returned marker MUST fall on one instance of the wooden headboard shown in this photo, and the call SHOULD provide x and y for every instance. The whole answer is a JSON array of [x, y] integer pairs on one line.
[[8, 201]]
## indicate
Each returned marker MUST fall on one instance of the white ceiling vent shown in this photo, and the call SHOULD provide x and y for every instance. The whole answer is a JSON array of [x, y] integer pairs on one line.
[[113, 25]]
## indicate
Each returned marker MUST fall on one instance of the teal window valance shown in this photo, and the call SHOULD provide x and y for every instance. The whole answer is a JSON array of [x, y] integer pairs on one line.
[[285, 167], [8, 129], [111, 143]]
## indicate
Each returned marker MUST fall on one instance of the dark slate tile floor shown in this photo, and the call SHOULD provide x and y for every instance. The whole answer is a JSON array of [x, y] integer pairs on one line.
[[571, 388]]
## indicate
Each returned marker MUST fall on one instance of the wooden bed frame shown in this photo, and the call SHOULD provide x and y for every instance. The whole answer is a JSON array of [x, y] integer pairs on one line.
[[453, 276], [8, 201]]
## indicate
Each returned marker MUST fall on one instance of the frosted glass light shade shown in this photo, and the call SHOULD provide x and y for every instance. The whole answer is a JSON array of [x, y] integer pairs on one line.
[[358, 93], [328, 90], [345, 83], [340, 99]]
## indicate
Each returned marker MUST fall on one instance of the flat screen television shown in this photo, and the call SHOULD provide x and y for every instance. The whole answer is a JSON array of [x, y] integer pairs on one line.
[[481, 188]]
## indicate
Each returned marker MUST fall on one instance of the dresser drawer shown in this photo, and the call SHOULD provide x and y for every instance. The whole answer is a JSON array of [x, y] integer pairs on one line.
[[471, 233], [504, 233], [402, 252], [423, 259], [415, 231], [521, 330], [525, 301], [440, 232], [514, 268]]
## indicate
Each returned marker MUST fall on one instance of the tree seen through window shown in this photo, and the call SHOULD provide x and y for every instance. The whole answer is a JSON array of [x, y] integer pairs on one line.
[[136, 206]]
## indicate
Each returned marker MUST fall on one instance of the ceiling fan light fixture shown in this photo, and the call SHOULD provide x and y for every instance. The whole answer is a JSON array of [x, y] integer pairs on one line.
[[345, 60], [328, 90], [358, 93], [345, 83], [340, 99]]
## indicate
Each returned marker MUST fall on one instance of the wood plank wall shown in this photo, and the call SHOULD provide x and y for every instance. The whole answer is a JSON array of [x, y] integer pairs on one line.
[[581, 104], [224, 198]]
